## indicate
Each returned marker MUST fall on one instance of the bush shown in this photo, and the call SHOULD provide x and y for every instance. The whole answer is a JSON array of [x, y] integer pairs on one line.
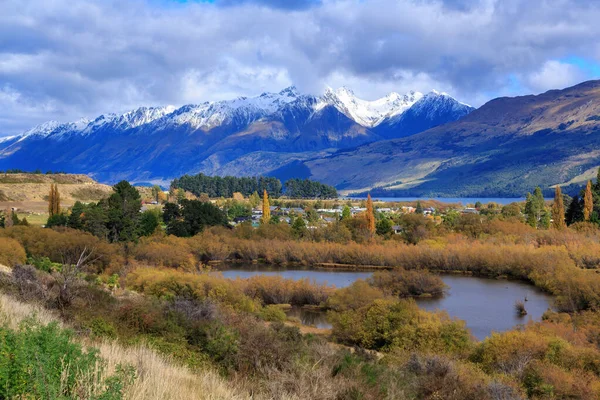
[[402, 283], [391, 324], [272, 313], [11, 252], [43, 362]]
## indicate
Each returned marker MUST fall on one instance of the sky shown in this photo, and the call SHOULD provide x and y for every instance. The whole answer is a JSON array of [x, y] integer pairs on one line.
[[63, 60]]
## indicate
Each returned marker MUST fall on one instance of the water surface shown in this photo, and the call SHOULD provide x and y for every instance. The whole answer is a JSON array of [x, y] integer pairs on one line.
[[486, 305]]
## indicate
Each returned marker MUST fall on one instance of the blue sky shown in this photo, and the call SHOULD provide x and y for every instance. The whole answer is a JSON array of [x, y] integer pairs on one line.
[[63, 60]]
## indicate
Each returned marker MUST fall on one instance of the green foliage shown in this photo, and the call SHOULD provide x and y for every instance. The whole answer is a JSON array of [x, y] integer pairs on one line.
[[100, 328], [55, 220], [44, 362], [536, 211], [384, 227], [75, 220], [272, 313], [44, 264], [307, 189], [123, 213], [346, 214], [192, 217], [390, 324], [299, 227], [238, 209], [149, 221], [216, 186]]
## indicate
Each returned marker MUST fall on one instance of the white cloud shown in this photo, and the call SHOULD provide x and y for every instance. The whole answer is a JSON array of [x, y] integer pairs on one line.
[[554, 75], [95, 56]]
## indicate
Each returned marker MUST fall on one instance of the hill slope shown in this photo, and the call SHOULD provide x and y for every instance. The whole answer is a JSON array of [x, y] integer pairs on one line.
[[504, 148]]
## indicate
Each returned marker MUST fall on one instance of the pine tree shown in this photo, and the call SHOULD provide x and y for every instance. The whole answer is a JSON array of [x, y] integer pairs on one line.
[[370, 215], [588, 202], [419, 208], [558, 210], [535, 209], [266, 208]]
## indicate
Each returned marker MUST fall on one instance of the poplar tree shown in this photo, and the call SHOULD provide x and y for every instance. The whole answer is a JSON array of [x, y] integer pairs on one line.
[[53, 200], [370, 215], [588, 202], [266, 208], [558, 210]]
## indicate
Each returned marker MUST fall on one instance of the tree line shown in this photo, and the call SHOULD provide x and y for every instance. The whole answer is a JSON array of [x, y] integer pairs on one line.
[[216, 186]]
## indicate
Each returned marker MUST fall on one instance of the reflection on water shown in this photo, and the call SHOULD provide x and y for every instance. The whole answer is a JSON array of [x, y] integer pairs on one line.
[[486, 305], [310, 317], [325, 277]]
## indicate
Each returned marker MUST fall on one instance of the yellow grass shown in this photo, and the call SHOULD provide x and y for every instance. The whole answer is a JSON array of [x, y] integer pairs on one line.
[[157, 376]]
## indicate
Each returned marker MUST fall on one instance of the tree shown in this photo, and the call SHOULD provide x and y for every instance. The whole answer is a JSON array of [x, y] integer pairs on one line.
[[266, 208], [558, 210], [384, 227], [254, 200], [149, 221], [574, 211], [419, 208], [53, 200], [123, 213], [535, 208], [299, 227], [370, 215], [156, 190], [57, 220], [75, 221], [180, 195], [8, 220], [588, 202], [193, 216], [346, 214]]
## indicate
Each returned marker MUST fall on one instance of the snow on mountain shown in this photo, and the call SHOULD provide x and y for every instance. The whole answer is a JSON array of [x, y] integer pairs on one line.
[[434, 102], [368, 113], [245, 110]]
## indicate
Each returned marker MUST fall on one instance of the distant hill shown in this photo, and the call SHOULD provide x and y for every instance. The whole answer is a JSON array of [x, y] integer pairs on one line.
[[30, 191], [505, 148], [260, 135]]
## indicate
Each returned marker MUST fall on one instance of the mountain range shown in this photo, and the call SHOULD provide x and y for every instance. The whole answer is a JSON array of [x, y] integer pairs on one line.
[[400, 145], [505, 148], [271, 134]]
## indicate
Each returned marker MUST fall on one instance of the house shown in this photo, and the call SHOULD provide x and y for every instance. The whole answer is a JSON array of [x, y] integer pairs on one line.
[[429, 211], [470, 210], [397, 229]]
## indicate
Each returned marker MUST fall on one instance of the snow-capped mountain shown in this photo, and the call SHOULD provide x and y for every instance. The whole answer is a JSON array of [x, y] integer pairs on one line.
[[246, 135], [368, 113]]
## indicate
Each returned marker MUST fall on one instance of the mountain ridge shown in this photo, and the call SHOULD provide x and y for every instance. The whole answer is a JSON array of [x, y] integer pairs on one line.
[[160, 143]]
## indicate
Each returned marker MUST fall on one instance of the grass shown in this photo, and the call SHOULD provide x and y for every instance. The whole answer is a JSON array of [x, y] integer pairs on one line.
[[37, 219], [157, 377]]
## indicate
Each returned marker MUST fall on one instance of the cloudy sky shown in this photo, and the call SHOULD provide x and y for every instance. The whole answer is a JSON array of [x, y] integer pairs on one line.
[[64, 59]]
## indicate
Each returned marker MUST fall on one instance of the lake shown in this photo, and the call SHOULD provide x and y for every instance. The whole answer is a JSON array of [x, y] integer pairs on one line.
[[449, 200], [486, 305]]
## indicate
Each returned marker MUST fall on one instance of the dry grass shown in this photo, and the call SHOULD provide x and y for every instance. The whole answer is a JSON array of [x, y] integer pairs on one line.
[[157, 376]]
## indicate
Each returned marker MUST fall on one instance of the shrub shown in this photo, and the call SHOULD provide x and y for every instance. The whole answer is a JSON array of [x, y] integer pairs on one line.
[[11, 252], [43, 362], [391, 324], [272, 313], [402, 283]]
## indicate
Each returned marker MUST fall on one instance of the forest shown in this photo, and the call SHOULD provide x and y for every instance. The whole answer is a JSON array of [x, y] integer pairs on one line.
[[216, 186]]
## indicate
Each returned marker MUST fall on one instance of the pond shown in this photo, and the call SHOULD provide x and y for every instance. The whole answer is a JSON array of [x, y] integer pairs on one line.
[[486, 305]]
